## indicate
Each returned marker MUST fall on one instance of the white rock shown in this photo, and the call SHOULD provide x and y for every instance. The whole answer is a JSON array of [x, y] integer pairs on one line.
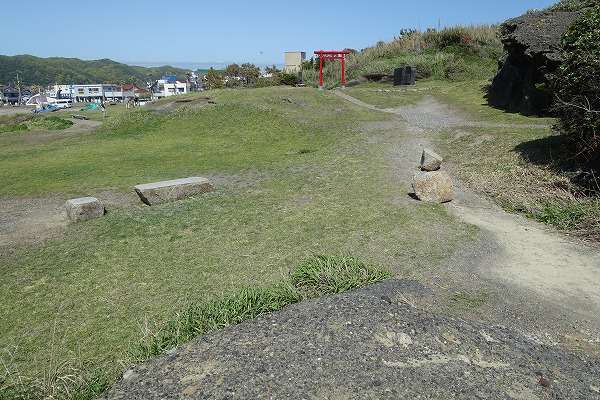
[[430, 161], [162, 192], [84, 208]]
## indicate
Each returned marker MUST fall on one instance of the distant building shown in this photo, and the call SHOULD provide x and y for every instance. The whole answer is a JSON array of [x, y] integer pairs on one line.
[[131, 88], [11, 95], [61, 91], [96, 92], [166, 87], [293, 61]]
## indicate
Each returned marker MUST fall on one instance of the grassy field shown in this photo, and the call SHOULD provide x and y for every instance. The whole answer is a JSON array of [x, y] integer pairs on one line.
[[295, 177]]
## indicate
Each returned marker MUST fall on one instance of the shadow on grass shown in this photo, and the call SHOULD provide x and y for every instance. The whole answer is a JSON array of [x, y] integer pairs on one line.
[[558, 153]]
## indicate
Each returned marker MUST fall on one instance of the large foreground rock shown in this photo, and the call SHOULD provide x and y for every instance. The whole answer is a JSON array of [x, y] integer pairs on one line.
[[84, 208], [434, 186], [368, 344], [532, 43], [166, 191]]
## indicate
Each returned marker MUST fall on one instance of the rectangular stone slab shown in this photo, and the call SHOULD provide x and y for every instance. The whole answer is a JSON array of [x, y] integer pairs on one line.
[[166, 191], [84, 208]]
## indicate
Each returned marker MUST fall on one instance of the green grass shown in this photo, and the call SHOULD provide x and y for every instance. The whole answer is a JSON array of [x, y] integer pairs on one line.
[[470, 300], [317, 276], [385, 95], [293, 180]]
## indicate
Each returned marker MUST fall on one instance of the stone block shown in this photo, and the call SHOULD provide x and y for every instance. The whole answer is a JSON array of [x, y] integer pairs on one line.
[[430, 161], [166, 191], [84, 208]]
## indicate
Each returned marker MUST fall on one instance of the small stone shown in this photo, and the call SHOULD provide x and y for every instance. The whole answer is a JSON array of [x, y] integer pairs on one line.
[[430, 161], [162, 192], [434, 187], [84, 208], [129, 374], [544, 382]]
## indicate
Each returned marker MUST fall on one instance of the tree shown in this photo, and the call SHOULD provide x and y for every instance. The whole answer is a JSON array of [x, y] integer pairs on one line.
[[249, 73], [273, 70], [214, 80], [232, 70]]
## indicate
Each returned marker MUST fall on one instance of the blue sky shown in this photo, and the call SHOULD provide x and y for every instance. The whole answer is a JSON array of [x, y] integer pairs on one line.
[[194, 31]]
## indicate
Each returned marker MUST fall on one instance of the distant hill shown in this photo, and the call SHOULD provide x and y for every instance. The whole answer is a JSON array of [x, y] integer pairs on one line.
[[47, 71]]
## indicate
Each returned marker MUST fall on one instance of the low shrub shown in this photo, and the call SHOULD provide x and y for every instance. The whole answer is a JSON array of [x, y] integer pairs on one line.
[[288, 79], [52, 123]]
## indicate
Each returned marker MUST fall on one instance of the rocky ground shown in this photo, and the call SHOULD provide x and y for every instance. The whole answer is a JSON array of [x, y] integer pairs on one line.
[[513, 315]]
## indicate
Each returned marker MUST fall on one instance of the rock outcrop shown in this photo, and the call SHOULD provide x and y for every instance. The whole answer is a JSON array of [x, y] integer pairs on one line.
[[532, 43]]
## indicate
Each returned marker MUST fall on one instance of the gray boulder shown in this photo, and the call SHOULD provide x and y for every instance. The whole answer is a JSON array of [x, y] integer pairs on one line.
[[430, 161], [84, 208], [166, 191], [532, 44], [433, 186]]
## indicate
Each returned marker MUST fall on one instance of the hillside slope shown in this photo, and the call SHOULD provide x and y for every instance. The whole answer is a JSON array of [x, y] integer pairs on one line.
[[46, 71]]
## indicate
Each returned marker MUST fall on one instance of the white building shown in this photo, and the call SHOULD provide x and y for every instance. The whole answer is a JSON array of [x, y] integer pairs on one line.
[[166, 88], [96, 92]]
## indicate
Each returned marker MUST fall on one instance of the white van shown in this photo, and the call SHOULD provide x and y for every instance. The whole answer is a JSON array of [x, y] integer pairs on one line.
[[62, 103]]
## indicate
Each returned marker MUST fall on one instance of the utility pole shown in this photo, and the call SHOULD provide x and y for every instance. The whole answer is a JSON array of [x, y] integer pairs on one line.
[[18, 84]]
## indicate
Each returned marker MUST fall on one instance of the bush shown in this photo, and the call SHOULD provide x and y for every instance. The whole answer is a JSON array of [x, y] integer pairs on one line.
[[577, 87], [288, 79]]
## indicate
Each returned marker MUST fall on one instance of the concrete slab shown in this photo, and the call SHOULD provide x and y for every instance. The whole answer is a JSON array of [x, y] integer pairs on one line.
[[166, 191], [84, 208]]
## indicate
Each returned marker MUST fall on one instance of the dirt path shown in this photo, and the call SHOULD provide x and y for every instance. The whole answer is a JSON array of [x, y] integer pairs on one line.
[[560, 269], [391, 340]]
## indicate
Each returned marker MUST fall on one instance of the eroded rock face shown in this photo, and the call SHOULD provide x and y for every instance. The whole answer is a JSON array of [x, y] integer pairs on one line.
[[433, 187], [532, 43]]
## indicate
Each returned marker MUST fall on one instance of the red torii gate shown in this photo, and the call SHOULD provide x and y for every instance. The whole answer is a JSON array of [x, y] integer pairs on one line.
[[332, 55]]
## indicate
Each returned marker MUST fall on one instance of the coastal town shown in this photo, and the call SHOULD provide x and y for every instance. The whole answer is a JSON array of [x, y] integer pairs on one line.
[[59, 96]]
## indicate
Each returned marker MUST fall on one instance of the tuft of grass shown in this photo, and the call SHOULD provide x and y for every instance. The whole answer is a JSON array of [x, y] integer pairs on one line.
[[317, 276], [329, 275], [470, 300], [577, 215]]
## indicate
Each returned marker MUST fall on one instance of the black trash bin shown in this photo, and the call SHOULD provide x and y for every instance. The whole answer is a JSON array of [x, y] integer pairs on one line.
[[406, 75]]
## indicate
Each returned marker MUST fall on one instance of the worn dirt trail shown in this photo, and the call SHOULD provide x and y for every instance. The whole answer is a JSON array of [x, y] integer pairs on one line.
[[563, 270], [392, 340]]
